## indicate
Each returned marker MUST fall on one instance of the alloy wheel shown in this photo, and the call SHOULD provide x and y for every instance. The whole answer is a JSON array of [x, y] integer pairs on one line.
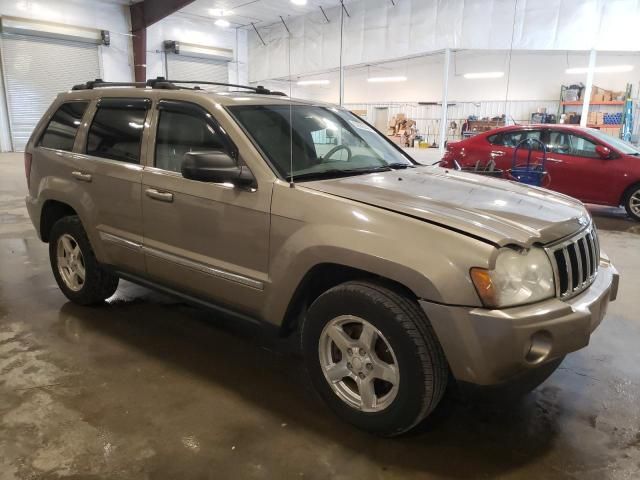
[[70, 262], [359, 363], [634, 203]]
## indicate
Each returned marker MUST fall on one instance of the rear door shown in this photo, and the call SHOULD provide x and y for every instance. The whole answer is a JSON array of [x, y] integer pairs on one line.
[[109, 169], [210, 240], [503, 147]]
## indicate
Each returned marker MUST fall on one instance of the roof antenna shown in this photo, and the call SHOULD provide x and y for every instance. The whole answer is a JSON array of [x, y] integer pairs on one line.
[[291, 182]]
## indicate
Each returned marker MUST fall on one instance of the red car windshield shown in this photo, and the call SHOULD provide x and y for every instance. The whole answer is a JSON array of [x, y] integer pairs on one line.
[[618, 144]]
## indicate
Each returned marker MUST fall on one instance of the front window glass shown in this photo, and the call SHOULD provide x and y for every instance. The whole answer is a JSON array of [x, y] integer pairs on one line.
[[317, 141], [179, 133], [582, 147]]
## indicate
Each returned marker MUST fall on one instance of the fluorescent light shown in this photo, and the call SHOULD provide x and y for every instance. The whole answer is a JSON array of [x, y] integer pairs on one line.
[[386, 79], [299, 2], [219, 12], [602, 69], [472, 76], [222, 23], [241, 99], [313, 82]]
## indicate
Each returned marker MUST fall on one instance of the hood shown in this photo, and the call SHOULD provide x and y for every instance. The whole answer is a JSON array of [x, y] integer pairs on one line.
[[495, 210]]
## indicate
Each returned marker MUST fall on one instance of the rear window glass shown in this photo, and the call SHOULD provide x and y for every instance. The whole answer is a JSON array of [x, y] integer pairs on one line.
[[116, 133], [494, 139], [63, 127]]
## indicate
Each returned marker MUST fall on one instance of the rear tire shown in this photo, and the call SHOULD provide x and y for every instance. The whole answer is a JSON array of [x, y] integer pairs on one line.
[[77, 271], [373, 357], [632, 202]]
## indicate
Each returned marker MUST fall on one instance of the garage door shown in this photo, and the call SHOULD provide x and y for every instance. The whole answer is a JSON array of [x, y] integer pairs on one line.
[[36, 69], [189, 68]]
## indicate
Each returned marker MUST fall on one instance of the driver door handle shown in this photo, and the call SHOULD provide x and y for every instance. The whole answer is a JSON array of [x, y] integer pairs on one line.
[[497, 153], [554, 160], [83, 177], [161, 196]]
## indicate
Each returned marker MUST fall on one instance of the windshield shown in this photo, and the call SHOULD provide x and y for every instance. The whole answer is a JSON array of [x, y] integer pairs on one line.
[[618, 144], [326, 141]]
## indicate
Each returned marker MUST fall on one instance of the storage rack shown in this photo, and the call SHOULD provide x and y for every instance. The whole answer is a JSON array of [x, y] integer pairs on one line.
[[578, 103]]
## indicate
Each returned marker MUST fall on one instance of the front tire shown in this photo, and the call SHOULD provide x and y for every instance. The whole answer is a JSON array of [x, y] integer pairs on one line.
[[77, 271], [632, 202], [373, 356]]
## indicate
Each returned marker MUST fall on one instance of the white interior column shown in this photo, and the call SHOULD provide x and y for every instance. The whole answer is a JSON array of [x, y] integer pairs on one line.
[[341, 86], [587, 89], [445, 91]]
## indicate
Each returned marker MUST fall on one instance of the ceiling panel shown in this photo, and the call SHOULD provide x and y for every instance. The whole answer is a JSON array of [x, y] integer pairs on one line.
[[260, 12]]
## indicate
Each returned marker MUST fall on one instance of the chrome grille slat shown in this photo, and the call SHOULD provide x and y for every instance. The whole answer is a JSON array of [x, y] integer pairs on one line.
[[576, 248], [568, 269], [572, 277], [585, 245]]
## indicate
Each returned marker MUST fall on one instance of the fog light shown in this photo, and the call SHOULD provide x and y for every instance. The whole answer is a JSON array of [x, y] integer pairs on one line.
[[540, 347]]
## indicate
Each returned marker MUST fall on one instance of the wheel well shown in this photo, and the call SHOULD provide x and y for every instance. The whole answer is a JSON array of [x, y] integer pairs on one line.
[[322, 278], [628, 190], [52, 211]]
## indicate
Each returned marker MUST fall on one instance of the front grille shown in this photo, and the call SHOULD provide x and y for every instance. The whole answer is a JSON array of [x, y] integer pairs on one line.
[[575, 262]]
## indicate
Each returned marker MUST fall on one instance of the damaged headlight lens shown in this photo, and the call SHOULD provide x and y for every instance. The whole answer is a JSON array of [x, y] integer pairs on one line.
[[519, 277]]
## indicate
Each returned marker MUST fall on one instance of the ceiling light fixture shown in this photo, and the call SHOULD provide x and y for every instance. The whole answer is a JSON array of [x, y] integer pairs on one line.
[[477, 75], [602, 69], [222, 23], [386, 79], [299, 2], [313, 82], [219, 12]]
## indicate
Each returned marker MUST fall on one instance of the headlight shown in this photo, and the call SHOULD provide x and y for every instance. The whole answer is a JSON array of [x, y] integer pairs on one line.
[[519, 277]]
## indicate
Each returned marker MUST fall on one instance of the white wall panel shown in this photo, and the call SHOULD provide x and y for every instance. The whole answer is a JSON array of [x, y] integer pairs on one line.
[[376, 31], [187, 29]]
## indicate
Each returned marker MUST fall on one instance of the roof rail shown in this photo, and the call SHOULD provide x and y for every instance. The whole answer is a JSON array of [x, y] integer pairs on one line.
[[259, 89], [163, 83]]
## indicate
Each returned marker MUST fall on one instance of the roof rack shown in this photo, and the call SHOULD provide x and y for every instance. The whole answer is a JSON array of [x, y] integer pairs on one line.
[[163, 83]]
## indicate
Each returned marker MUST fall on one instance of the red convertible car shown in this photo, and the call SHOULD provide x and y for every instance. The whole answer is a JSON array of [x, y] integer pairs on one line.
[[581, 162]]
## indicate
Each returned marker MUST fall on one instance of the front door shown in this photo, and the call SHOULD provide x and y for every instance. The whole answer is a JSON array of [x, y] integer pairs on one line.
[[205, 239], [576, 169]]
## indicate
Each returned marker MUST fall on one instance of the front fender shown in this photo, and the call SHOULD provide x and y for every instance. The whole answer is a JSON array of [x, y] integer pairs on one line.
[[311, 228]]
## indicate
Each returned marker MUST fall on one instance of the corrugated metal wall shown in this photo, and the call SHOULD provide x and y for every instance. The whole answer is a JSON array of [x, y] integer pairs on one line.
[[427, 117]]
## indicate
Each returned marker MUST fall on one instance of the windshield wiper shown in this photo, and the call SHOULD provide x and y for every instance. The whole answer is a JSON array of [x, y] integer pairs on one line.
[[336, 172], [398, 165]]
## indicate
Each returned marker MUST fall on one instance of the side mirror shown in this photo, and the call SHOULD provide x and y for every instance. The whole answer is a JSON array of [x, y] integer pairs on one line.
[[603, 152], [215, 166]]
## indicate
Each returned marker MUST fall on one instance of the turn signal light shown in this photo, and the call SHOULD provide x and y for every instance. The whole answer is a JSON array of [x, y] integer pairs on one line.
[[484, 286]]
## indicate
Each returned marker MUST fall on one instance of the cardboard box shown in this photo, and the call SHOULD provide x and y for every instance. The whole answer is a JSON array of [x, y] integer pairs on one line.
[[599, 118], [614, 132], [592, 118]]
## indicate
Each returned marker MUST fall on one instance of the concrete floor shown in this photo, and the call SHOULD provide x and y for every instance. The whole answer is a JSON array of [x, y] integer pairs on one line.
[[146, 387]]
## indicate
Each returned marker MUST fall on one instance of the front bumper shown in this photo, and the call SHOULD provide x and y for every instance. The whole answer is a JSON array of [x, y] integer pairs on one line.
[[488, 347]]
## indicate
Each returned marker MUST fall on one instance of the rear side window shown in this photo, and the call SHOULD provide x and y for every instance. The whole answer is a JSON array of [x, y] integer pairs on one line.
[[63, 126], [513, 139], [182, 132], [116, 131], [495, 139]]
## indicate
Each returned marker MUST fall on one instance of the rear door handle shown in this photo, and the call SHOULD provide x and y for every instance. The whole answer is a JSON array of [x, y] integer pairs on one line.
[[156, 195], [554, 160], [83, 177], [497, 153]]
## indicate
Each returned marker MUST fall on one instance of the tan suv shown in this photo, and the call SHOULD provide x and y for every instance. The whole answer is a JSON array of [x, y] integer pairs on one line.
[[400, 278]]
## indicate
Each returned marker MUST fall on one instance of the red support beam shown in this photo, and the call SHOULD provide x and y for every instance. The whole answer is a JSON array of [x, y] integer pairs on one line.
[[144, 14]]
